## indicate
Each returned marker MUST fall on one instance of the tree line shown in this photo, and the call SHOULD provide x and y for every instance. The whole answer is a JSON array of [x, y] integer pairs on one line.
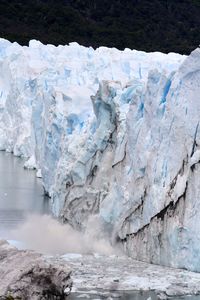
[[156, 25]]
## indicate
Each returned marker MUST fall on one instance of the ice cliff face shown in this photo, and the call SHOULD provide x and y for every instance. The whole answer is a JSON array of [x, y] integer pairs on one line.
[[114, 134]]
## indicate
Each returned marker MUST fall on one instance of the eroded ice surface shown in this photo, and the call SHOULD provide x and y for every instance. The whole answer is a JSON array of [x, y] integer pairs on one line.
[[129, 154], [117, 277], [46, 112]]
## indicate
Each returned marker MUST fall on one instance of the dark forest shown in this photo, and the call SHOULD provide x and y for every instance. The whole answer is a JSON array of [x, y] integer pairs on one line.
[[156, 25]]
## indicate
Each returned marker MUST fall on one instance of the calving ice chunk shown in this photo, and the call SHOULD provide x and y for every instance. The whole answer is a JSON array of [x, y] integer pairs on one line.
[[112, 133]]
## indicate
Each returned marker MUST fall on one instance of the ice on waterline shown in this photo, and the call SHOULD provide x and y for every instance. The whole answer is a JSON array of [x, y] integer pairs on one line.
[[112, 133]]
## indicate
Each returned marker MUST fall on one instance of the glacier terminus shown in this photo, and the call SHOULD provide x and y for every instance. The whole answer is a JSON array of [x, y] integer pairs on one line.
[[115, 136]]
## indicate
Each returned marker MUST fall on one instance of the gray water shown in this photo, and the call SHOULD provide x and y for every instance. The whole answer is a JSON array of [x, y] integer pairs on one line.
[[21, 193], [126, 295], [120, 295]]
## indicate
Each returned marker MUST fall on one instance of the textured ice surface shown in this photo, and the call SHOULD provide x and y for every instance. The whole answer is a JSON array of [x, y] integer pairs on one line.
[[105, 275], [130, 153], [46, 113]]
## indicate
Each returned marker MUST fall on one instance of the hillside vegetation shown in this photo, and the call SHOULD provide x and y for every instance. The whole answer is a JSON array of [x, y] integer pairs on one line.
[[156, 25]]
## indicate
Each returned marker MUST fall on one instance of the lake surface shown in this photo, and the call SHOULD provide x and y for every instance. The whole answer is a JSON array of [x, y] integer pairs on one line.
[[125, 295], [122, 295], [21, 193]]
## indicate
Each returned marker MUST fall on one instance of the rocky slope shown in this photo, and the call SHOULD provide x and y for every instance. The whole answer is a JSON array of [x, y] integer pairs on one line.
[[27, 275]]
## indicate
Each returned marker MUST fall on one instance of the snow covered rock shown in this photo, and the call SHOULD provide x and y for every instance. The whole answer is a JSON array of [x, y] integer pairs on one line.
[[28, 275]]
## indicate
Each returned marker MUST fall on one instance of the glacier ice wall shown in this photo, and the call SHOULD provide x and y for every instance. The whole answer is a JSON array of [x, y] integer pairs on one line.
[[113, 133], [45, 108]]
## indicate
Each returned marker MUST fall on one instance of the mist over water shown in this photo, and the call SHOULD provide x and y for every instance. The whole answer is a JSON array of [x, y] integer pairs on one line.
[[21, 193], [25, 219], [45, 234]]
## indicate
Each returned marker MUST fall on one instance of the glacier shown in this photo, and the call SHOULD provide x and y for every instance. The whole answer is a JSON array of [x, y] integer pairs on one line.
[[113, 134]]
